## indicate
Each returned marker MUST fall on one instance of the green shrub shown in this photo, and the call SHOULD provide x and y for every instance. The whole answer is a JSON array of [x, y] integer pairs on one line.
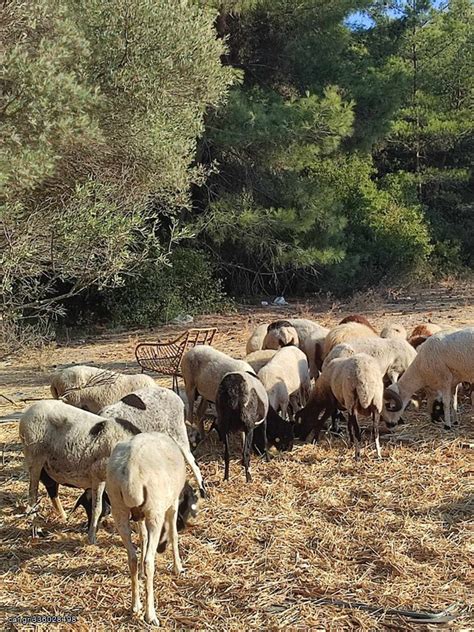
[[160, 293]]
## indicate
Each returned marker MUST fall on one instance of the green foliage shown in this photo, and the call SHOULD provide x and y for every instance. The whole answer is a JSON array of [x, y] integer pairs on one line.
[[159, 294], [102, 106]]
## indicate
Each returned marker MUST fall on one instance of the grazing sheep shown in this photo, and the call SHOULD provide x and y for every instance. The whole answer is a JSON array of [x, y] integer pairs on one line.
[[394, 330], [357, 318], [203, 368], [255, 342], [393, 355], [156, 409], [303, 333], [355, 384], [260, 358], [442, 362], [241, 405], [91, 388], [151, 409], [346, 332], [145, 478], [286, 378], [72, 446]]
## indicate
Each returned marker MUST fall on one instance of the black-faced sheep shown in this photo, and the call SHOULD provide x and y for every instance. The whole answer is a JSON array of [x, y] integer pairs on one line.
[[241, 405], [203, 368]]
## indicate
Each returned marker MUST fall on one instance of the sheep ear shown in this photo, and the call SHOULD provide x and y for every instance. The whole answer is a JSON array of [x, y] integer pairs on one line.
[[134, 401]]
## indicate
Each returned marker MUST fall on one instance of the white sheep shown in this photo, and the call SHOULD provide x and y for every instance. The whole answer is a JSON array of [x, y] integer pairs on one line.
[[394, 355], [145, 477], [286, 379], [255, 342], [345, 332], [203, 368], [394, 330], [91, 388], [301, 332], [354, 383], [258, 359], [73, 446], [443, 361]]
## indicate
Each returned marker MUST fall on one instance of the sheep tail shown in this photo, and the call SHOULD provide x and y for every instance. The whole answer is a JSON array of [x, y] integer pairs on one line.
[[188, 457]]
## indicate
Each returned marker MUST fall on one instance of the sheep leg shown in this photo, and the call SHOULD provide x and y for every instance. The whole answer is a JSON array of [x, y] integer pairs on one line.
[[226, 457], [375, 429], [248, 438], [455, 405], [170, 517], [265, 439], [356, 435], [447, 407], [154, 531], [97, 493], [123, 527], [319, 424], [201, 411], [143, 544], [52, 488], [190, 399]]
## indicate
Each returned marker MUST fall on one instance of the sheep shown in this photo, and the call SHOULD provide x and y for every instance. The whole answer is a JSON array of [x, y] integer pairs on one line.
[[260, 358], [393, 355], [241, 405], [73, 446], [150, 409], [346, 332], [91, 388], [421, 332], [354, 383], [286, 378], [203, 368], [357, 318], [145, 477], [156, 409], [442, 362], [280, 333], [303, 333], [255, 342], [395, 330]]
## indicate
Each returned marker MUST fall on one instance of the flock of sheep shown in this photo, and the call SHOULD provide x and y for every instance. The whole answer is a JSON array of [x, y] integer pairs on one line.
[[126, 441]]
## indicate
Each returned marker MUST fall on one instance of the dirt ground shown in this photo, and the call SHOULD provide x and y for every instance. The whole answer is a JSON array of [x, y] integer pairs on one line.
[[313, 524]]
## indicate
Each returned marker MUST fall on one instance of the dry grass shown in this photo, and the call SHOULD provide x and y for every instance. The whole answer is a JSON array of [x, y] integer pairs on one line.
[[314, 523]]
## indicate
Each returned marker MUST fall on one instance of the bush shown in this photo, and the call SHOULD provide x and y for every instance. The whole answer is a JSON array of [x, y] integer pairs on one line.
[[160, 293]]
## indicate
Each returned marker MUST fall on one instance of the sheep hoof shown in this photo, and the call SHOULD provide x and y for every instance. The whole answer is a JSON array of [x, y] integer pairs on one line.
[[137, 608], [153, 620], [202, 491], [179, 570], [446, 427]]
